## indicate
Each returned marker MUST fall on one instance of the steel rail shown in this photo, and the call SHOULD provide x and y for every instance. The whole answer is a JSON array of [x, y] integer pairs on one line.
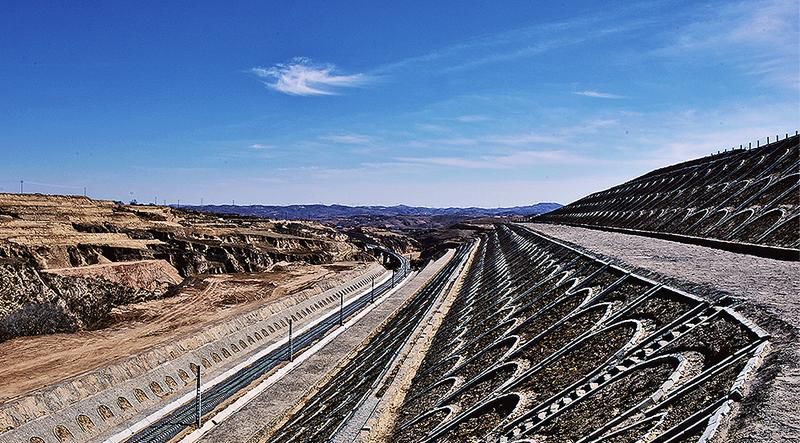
[[173, 423], [396, 332]]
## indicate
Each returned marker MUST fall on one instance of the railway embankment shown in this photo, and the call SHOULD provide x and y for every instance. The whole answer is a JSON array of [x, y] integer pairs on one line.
[[269, 410], [101, 402]]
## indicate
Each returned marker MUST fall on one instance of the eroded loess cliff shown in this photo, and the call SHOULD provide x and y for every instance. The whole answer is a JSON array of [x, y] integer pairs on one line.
[[66, 262], [385, 238]]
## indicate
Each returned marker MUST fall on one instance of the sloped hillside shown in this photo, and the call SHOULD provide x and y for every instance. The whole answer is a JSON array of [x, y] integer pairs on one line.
[[745, 195], [66, 262]]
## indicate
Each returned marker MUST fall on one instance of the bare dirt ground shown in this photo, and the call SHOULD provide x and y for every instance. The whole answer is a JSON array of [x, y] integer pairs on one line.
[[140, 274], [30, 363], [769, 294]]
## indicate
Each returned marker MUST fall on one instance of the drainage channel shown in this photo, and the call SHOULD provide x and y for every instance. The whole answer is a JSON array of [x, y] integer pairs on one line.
[[172, 424], [323, 415]]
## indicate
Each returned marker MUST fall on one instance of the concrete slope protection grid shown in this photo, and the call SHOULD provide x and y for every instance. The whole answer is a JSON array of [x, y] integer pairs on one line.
[[547, 344], [172, 424], [745, 196], [328, 410]]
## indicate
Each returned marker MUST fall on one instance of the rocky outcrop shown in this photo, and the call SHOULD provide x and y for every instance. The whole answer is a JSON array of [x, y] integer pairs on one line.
[[383, 238], [149, 275], [66, 262], [34, 302]]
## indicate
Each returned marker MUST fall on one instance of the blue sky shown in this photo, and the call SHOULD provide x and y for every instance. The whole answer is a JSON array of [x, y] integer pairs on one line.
[[360, 102]]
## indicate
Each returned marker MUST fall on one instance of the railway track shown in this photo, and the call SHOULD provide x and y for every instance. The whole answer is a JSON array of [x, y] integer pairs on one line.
[[175, 422], [328, 410]]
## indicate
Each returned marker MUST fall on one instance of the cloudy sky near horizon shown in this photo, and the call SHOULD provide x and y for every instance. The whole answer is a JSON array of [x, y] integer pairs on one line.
[[447, 103]]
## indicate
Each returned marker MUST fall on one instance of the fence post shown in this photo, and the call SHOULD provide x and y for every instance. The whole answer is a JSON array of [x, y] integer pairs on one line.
[[199, 402], [291, 344]]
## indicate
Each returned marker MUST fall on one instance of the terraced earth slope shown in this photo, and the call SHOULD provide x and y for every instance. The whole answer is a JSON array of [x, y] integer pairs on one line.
[[744, 195], [545, 343], [67, 262]]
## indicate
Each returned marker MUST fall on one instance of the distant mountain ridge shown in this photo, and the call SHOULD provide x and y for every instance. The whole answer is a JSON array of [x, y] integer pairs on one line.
[[323, 212]]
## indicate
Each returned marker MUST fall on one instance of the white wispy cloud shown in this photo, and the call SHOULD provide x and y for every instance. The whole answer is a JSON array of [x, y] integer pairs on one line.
[[348, 139], [598, 94], [260, 146], [510, 54], [431, 127], [472, 118], [534, 41], [525, 138], [759, 38], [301, 76], [457, 141], [515, 44], [516, 139], [512, 160]]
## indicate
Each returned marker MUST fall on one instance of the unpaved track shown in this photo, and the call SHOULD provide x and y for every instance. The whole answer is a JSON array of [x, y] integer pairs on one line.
[[769, 293]]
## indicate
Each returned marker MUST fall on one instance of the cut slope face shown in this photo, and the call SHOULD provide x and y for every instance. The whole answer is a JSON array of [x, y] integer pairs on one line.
[[547, 344], [746, 195]]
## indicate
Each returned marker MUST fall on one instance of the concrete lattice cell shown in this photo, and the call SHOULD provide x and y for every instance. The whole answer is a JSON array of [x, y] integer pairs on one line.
[[474, 391], [556, 338], [783, 234], [105, 412], [601, 406], [592, 358], [480, 421], [421, 426], [575, 364], [711, 197], [425, 400]]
